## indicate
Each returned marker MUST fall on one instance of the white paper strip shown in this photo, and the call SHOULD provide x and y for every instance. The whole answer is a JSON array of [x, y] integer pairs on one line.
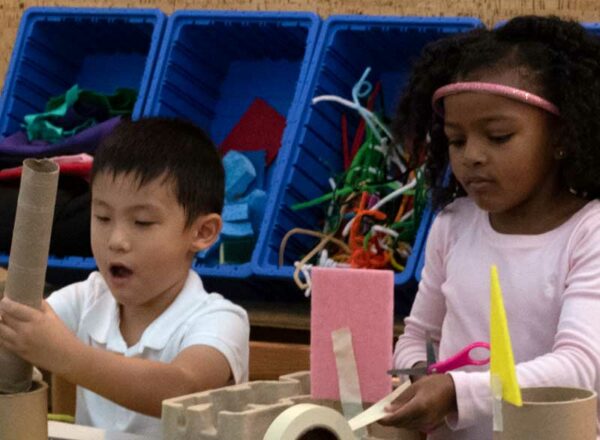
[[377, 412], [347, 372], [496, 384]]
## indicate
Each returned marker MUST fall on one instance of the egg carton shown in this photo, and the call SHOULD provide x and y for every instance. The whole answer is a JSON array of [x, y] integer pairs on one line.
[[245, 411]]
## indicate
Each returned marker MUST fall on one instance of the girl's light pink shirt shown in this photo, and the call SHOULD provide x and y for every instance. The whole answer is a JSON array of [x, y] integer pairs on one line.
[[551, 288]]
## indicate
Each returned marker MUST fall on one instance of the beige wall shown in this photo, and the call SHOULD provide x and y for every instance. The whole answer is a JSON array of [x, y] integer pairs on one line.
[[488, 10]]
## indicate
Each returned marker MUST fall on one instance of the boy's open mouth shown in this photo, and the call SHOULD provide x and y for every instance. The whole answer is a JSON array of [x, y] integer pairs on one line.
[[119, 271]]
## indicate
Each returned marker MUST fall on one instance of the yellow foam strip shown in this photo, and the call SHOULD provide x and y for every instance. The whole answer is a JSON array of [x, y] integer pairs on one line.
[[502, 363]]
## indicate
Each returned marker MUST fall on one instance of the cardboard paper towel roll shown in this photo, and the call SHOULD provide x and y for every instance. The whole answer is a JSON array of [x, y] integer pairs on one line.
[[24, 415], [550, 414], [29, 257], [299, 421]]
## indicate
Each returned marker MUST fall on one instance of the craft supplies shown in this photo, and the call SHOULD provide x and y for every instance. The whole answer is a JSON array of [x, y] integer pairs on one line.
[[374, 208]]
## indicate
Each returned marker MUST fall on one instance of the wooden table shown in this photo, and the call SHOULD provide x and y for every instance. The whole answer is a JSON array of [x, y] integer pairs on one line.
[[67, 431]]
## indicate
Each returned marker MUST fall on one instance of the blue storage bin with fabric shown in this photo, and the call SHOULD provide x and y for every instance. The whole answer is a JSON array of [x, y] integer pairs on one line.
[[238, 76], [99, 50], [347, 46]]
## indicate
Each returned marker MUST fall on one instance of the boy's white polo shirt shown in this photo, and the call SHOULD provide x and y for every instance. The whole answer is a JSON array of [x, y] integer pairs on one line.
[[194, 318]]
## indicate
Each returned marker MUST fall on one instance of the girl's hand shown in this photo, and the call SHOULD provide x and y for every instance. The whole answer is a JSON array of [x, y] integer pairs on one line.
[[420, 364], [38, 336], [424, 405]]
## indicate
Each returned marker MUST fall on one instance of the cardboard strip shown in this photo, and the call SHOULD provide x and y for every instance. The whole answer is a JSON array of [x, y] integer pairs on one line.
[[496, 384], [29, 257], [377, 411], [345, 361]]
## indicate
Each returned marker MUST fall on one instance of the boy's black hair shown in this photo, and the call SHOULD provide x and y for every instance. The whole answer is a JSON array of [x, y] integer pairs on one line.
[[176, 149], [559, 56]]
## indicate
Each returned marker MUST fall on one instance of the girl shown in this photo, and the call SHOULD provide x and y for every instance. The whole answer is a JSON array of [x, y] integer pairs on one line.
[[514, 111]]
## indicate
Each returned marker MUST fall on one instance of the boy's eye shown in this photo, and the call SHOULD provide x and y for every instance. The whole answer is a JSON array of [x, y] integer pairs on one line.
[[143, 223]]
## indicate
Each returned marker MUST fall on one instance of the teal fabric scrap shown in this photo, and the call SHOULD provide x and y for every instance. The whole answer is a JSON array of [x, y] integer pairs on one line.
[[71, 109]]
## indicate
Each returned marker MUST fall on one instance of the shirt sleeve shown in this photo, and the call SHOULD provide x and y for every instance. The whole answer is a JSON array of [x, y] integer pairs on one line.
[[429, 307], [225, 327], [575, 357]]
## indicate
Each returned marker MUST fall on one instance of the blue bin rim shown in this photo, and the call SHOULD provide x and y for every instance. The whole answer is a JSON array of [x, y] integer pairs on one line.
[[421, 260], [242, 15], [591, 26], [413, 20], [588, 25], [92, 11]]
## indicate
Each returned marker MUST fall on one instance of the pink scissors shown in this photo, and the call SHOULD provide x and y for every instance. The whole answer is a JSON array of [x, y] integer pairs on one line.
[[460, 359]]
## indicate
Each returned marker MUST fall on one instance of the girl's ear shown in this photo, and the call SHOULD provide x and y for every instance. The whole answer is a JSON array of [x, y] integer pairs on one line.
[[205, 231]]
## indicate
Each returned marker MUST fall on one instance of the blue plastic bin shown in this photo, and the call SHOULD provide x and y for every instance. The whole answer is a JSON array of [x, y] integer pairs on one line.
[[99, 49], [347, 45], [594, 28], [213, 64], [421, 260]]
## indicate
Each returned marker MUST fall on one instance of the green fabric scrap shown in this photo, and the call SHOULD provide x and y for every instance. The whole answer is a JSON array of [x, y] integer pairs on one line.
[[41, 126]]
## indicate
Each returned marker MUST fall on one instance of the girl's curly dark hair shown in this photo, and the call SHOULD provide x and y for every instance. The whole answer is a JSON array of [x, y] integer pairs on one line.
[[559, 56]]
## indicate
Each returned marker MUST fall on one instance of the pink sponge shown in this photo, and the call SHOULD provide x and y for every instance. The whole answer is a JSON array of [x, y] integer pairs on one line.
[[362, 300]]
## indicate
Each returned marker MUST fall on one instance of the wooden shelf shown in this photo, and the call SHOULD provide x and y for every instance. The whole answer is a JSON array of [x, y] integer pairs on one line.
[[288, 316]]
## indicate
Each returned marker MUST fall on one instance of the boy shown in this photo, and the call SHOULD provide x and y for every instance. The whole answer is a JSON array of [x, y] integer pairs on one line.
[[143, 328]]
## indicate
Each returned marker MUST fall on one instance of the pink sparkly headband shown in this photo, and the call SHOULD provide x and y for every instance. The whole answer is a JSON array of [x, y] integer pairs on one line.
[[496, 89]]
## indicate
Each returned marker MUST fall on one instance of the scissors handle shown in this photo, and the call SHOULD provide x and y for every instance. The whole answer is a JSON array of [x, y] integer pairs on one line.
[[460, 359]]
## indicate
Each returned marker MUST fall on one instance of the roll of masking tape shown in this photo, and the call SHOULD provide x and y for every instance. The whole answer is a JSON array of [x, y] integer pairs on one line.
[[300, 421]]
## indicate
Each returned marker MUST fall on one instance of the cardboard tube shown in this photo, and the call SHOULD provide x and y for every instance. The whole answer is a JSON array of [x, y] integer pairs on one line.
[[24, 415], [29, 257], [550, 414]]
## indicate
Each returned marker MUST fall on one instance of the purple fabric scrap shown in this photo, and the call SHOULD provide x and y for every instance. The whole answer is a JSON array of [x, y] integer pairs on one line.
[[83, 142]]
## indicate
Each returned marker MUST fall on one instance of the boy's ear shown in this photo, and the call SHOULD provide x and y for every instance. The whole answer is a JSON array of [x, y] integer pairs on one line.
[[205, 230]]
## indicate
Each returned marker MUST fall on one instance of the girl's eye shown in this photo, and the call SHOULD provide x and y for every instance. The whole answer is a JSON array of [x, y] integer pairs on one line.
[[102, 218], [501, 138], [456, 143]]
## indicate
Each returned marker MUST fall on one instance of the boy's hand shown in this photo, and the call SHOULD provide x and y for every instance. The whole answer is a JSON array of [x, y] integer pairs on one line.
[[38, 336], [424, 405]]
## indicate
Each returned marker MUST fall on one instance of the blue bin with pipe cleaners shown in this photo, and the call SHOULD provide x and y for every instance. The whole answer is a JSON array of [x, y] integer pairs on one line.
[[96, 49], [356, 57], [219, 69], [421, 262]]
